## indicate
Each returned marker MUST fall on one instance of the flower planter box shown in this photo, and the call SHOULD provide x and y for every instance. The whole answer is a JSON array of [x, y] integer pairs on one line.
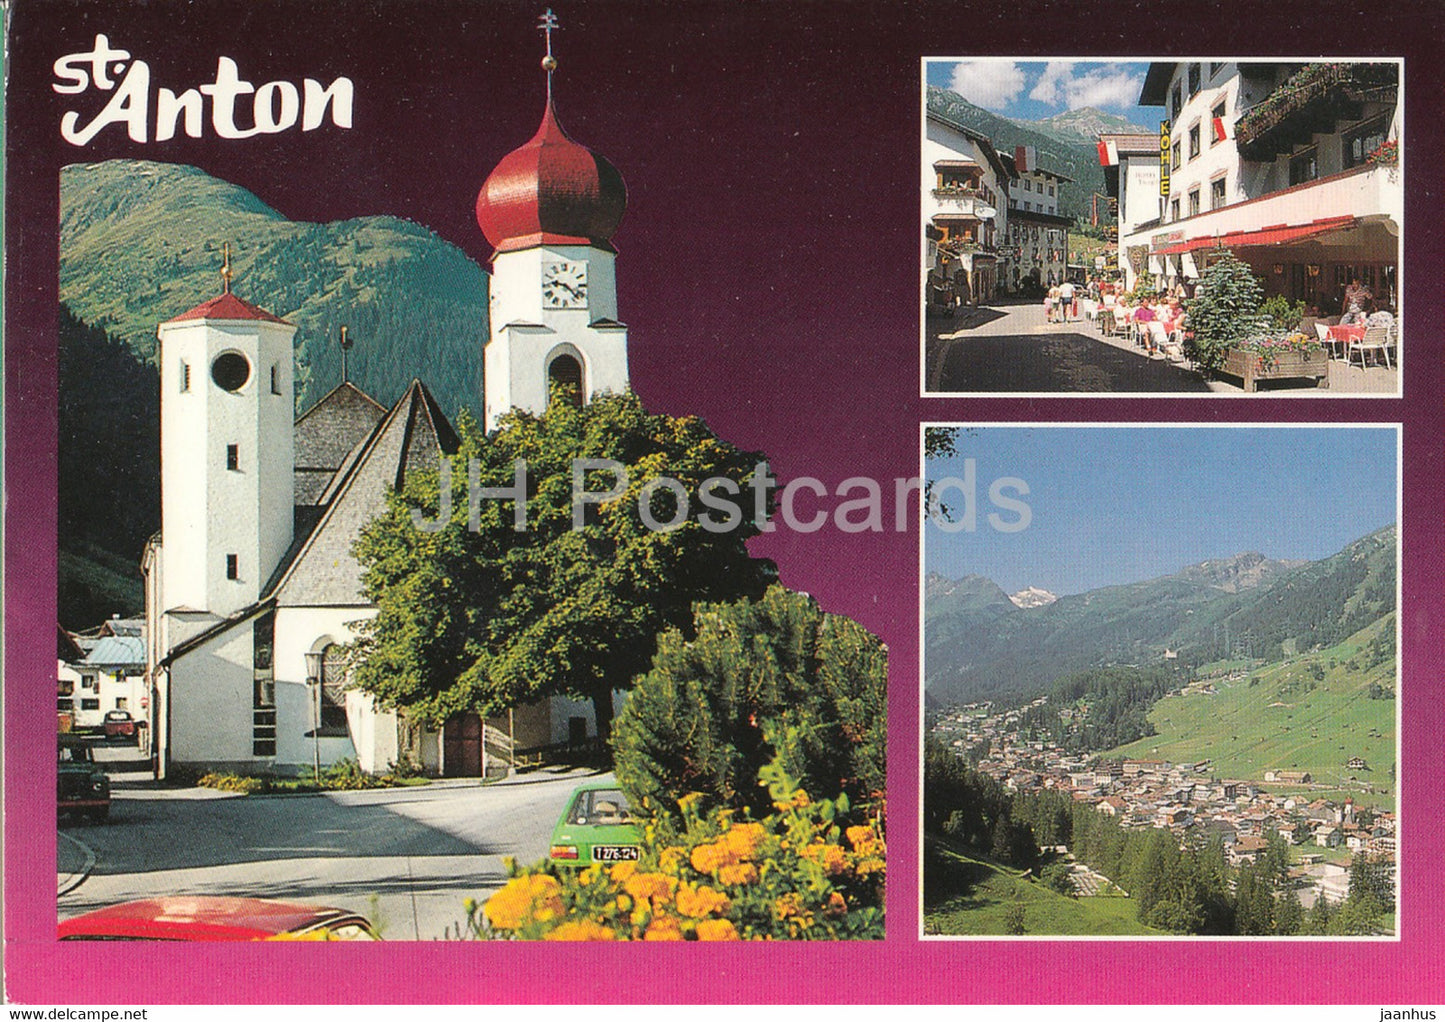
[[1288, 365]]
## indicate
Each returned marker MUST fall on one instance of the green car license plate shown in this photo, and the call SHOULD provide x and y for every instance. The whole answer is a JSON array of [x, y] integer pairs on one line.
[[615, 853]]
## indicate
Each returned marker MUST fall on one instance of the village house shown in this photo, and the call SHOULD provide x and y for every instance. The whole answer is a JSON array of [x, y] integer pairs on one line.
[[1037, 251], [1247, 848], [965, 193]]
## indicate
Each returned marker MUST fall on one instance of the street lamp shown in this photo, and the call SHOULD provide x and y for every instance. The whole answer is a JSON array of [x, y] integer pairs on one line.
[[313, 688]]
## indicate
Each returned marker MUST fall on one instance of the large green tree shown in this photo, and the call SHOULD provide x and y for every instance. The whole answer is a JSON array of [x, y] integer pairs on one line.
[[478, 612], [776, 677]]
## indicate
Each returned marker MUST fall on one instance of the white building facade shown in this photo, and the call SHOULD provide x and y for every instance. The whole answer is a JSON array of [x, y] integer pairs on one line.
[[965, 191], [1294, 167], [1037, 249]]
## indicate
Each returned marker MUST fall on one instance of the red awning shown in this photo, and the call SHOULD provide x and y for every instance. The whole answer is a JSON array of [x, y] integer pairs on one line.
[[1279, 234]]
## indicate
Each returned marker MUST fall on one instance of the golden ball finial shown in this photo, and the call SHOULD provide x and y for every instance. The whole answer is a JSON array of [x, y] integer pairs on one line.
[[549, 63]]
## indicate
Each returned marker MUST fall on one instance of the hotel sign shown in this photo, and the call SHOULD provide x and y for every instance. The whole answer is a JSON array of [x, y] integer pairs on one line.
[[1164, 159]]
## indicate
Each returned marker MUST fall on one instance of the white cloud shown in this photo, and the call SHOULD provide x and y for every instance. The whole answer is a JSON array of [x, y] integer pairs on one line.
[[1061, 85], [992, 84]]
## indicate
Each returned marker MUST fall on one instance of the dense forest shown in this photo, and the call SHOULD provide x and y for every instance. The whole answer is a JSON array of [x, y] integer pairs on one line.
[[108, 483], [1096, 710], [1182, 888]]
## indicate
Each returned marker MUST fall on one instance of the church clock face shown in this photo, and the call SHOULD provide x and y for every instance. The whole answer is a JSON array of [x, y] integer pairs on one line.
[[564, 285]]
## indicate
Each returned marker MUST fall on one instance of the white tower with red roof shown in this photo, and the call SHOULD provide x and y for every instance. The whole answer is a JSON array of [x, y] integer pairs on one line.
[[227, 462], [549, 209]]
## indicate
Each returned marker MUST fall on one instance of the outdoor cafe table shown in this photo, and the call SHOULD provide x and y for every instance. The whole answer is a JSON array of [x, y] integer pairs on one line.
[[1346, 334]]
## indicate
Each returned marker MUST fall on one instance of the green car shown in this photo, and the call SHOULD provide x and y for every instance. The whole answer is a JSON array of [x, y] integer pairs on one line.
[[597, 827], [81, 786]]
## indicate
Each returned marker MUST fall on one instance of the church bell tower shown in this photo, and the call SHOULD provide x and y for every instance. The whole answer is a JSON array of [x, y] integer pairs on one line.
[[549, 210], [227, 462]]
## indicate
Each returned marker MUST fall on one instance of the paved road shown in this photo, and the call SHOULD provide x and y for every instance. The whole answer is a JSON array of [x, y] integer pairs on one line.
[[406, 857], [1009, 348]]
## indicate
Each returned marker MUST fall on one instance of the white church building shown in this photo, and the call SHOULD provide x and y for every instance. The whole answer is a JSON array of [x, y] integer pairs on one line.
[[251, 589]]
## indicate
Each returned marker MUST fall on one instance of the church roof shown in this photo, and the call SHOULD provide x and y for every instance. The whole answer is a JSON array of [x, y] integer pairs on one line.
[[328, 433], [322, 570], [551, 190], [227, 306]]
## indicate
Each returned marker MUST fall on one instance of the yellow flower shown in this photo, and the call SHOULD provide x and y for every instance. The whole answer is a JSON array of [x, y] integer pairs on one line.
[[671, 856], [743, 840], [535, 895], [650, 887], [870, 864], [711, 858], [830, 857], [585, 929], [716, 929], [624, 903], [787, 906], [738, 873], [622, 870], [859, 834], [837, 905], [663, 928], [698, 902]]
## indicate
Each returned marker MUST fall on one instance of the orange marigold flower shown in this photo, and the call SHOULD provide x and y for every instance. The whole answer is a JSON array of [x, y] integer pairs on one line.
[[584, 929], [716, 929], [738, 873], [650, 887], [697, 902], [712, 857], [743, 839], [664, 928], [788, 905], [859, 834], [621, 871], [536, 895], [830, 857], [837, 905], [870, 864]]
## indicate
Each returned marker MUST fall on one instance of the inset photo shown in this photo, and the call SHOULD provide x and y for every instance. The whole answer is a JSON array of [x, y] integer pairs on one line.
[[1127, 226], [1160, 681]]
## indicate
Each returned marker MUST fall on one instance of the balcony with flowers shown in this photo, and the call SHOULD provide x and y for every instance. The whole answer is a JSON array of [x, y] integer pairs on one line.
[[1312, 102]]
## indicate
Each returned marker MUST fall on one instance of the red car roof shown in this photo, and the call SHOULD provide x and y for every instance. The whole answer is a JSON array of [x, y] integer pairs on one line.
[[197, 918]]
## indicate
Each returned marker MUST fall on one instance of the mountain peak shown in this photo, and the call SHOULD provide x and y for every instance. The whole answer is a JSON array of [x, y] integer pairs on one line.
[[1032, 596]]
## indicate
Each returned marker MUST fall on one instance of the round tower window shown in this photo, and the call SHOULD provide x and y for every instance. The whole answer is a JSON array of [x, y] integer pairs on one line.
[[230, 371]]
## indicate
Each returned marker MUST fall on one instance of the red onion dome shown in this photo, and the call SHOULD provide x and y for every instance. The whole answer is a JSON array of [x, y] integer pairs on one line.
[[551, 191]]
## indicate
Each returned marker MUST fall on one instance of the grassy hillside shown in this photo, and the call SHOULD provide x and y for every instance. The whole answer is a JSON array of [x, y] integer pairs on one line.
[[1310, 712], [971, 897], [140, 242]]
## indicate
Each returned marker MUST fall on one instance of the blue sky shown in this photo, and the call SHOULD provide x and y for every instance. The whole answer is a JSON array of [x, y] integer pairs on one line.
[[1031, 90], [1116, 505]]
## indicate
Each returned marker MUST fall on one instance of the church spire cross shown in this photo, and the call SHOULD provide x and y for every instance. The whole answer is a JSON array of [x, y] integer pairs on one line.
[[346, 343], [226, 272], [547, 24]]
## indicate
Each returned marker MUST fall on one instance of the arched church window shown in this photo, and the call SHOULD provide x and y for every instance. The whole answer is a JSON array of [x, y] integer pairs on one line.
[[333, 688], [566, 372]]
